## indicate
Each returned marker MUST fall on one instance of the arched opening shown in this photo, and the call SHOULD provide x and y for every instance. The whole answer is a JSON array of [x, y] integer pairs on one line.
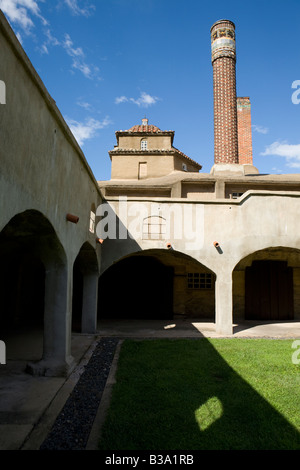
[[22, 290], [157, 284], [28, 248], [85, 290], [266, 285]]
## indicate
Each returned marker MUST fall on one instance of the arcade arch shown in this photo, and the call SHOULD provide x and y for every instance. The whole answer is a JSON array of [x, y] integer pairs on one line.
[[266, 285], [157, 284], [34, 290]]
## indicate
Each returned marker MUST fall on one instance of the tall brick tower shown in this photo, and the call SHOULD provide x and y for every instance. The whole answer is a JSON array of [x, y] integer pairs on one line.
[[244, 130], [224, 82]]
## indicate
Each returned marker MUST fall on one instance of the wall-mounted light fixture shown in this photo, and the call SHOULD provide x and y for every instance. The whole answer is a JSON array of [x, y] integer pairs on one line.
[[100, 241], [169, 245], [216, 245], [72, 218]]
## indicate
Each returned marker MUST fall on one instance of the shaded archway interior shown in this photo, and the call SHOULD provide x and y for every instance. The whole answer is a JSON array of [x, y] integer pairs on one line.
[[27, 244], [153, 284], [266, 285]]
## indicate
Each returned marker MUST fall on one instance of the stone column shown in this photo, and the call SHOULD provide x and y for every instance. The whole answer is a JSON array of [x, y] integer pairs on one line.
[[57, 359], [223, 293]]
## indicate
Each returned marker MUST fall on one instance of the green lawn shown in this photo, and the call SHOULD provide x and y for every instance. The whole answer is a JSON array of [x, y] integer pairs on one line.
[[204, 394]]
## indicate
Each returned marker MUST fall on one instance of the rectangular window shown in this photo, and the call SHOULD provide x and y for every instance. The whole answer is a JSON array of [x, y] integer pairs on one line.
[[92, 222], [142, 170], [236, 195], [199, 280]]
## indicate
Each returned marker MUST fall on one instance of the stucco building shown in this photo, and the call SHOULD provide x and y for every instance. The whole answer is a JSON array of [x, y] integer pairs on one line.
[[158, 240], [222, 246]]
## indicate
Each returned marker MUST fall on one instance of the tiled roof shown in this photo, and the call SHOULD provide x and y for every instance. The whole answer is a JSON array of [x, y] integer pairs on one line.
[[172, 151], [145, 128], [188, 158], [148, 128]]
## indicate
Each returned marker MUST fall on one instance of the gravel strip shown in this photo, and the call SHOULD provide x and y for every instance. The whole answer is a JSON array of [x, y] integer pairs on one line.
[[72, 427]]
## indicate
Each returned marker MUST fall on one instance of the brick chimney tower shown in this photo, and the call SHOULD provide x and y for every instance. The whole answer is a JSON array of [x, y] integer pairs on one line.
[[244, 130], [225, 101]]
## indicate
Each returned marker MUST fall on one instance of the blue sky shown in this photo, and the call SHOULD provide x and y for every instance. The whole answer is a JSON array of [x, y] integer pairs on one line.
[[109, 63]]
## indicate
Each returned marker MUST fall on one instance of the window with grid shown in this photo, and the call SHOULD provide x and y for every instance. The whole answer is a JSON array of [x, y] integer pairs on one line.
[[144, 144], [199, 281]]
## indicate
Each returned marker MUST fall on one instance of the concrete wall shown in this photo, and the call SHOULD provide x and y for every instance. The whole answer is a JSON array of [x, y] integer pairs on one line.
[[127, 166], [42, 167], [259, 220], [153, 142], [179, 161], [197, 191]]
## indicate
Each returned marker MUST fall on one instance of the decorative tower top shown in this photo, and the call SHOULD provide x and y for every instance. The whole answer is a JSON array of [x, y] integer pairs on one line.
[[223, 40]]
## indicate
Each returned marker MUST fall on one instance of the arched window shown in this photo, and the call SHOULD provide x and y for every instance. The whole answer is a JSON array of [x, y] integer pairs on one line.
[[144, 144], [154, 228]]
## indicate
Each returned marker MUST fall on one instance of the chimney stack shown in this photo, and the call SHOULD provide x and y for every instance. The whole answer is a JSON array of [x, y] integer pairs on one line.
[[225, 100], [244, 131]]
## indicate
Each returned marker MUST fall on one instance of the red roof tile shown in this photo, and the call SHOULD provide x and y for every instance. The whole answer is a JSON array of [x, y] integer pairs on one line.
[[140, 128]]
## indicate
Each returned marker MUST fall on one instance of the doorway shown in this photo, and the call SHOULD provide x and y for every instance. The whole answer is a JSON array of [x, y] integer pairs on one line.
[[269, 291]]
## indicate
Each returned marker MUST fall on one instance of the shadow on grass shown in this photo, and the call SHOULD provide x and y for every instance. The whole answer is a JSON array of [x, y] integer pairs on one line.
[[182, 395]]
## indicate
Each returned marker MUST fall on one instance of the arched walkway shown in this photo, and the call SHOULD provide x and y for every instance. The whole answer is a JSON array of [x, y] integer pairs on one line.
[[34, 290], [266, 285], [157, 284]]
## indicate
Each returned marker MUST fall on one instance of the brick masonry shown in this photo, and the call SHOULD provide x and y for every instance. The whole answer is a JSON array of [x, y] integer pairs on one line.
[[244, 131], [225, 100]]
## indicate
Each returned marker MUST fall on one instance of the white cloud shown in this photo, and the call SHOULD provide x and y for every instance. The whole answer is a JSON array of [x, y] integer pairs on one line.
[[89, 71], [86, 130], [77, 10], [260, 129], [50, 41], [121, 99], [20, 11], [22, 14], [19, 37], [68, 45], [277, 170], [84, 104], [291, 152], [143, 101]]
